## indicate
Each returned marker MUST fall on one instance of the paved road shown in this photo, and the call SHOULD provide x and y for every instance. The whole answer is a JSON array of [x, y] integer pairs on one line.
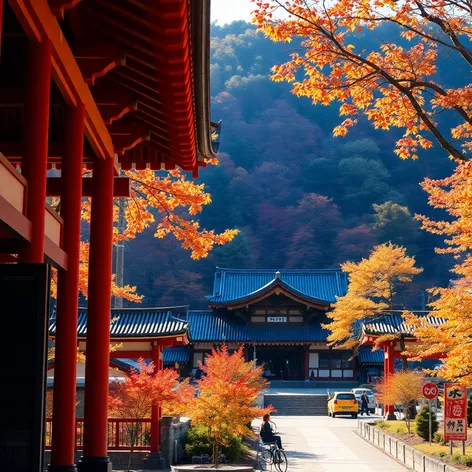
[[322, 444]]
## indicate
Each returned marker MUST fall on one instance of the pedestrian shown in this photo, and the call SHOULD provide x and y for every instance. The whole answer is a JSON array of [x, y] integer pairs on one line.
[[267, 435], [365, 403]]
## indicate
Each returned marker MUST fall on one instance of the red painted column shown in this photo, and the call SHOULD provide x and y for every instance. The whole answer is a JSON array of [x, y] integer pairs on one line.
[[63, 432], [35, 143], [388, 371], [156, 413], [95, 456]]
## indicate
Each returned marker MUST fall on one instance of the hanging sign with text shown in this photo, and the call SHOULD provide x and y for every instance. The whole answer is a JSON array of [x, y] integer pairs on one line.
[[276, 319], [455, 412]]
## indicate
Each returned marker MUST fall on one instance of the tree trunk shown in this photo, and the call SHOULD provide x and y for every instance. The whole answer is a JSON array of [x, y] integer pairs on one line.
[[216, 454]]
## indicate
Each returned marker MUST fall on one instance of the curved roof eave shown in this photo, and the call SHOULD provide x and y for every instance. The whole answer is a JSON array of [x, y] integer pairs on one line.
[[200, 17], [269, 286]]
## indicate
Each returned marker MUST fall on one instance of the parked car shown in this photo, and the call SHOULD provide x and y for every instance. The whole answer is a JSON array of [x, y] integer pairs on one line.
[[342, 403], [370, 394]]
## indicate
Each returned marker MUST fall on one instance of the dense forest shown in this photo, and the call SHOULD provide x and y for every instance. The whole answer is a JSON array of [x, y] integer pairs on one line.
[[300, 198]]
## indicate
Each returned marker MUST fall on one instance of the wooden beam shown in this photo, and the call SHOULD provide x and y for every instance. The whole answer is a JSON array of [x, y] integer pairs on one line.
[[59, 7], [13, 150], [127, 135], [13, 221], [114, 101], [96, 60], [39, 23], [121, 187]]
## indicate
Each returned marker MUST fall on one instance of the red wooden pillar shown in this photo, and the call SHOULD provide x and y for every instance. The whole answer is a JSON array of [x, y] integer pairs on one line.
[[389, 410], [35, 144], [63, 432], [95, 456], [158, 360]]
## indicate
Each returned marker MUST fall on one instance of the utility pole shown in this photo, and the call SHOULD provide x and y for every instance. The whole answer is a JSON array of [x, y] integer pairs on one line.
[[120, 253]]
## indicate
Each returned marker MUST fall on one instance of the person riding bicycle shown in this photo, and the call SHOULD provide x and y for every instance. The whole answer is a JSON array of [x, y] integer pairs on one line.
[[267, 435]]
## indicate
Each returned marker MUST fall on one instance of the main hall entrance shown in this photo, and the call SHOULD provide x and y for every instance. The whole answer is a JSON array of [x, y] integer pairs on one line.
[[282, 362]]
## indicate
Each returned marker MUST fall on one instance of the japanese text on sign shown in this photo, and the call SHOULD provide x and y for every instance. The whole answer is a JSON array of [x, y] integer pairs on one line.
[[455, 412]]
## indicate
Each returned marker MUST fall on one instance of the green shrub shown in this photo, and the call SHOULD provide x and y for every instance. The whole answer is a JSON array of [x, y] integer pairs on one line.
[[465, 460], [439, 438], [455, 458], [197, 443], [382, 424], [422, 423], [442, 454]]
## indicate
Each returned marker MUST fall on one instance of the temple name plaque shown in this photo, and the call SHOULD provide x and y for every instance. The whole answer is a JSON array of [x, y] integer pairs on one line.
[[276, 319]]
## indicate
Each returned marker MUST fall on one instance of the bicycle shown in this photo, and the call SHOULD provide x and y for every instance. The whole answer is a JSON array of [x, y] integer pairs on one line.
[[269, 454]]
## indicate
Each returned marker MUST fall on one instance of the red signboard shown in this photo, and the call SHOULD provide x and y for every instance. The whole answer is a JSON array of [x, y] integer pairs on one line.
[[430, 391], [455, 412]]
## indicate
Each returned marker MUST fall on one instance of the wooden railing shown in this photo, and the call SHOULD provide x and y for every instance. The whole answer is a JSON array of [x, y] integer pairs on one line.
[[120, 433]]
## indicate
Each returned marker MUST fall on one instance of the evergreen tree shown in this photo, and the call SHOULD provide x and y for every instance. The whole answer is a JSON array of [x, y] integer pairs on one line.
[[236, 255], [422, 423]]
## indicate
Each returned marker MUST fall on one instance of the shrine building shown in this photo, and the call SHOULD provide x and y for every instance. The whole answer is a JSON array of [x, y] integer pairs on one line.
[[278, 317]]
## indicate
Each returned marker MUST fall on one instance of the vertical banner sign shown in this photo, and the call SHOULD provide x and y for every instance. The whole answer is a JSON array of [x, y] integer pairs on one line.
[[455, 412]]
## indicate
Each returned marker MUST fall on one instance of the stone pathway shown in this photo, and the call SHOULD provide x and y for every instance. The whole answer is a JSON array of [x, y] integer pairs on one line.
[[322, 444]]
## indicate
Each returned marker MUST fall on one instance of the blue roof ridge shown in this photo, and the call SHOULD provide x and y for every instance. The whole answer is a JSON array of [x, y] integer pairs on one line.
[[266, 271], [277, 281], [149, 309]]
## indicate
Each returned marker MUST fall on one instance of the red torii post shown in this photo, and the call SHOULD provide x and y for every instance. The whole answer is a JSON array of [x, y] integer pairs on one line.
[[389, 369]]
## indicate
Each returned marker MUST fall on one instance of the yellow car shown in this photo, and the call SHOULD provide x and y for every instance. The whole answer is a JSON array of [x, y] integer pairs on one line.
[[343, 403]]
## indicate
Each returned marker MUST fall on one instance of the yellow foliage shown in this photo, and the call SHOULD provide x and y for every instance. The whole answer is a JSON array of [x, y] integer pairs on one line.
[[372, 285], [453, 303], [403, 388]]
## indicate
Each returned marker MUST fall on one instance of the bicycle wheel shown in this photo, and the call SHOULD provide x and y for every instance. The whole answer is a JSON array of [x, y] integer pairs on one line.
[[281, 464], [273, 426], [265, 459]]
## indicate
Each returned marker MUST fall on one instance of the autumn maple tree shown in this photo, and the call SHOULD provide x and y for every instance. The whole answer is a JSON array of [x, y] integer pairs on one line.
[[393, 84], [403, 388], [453, 304], [373, 284], [167, 201], [133, 398], [227, 400]]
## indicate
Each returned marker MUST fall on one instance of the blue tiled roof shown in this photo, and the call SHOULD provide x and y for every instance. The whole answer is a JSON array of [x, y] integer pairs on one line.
[[368, 356], [207, 326], [132, 322], [171, 356], [176, 354], [393, 323], [233, 285]]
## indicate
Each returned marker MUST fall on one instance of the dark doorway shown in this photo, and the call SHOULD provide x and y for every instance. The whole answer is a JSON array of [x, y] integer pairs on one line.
[[282, 363], [24, 291]]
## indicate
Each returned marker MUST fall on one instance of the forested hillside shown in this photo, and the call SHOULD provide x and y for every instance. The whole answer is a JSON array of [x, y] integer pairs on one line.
[[301, 198]]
